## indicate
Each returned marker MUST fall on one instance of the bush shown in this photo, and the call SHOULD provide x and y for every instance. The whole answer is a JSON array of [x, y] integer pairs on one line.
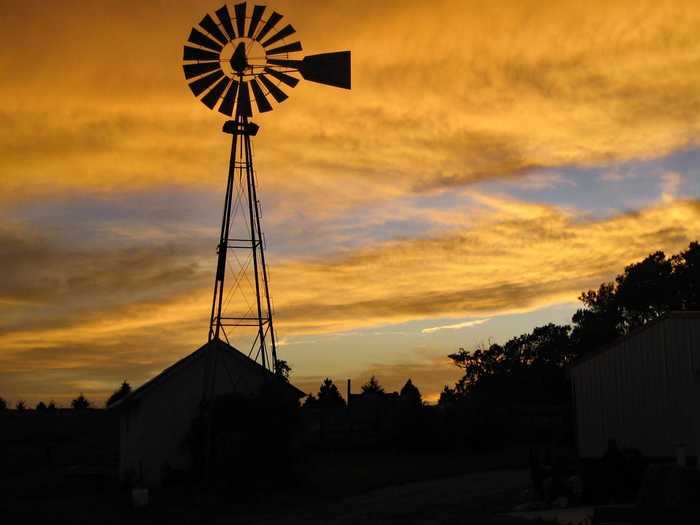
[[119, 394], [251, 437], [80, 403]]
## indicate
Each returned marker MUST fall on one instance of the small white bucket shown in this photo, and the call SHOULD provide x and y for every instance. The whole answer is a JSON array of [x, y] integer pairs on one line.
[[139, 498], [681, 454]]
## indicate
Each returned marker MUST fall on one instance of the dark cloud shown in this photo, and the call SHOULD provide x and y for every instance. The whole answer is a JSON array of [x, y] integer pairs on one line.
[[61, 284]]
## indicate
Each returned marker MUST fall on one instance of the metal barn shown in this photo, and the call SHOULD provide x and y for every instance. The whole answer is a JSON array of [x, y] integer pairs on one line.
[[642, 390]]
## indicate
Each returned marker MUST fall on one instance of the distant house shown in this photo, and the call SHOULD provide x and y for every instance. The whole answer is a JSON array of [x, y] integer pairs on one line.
[[155, 418], [642, 390]]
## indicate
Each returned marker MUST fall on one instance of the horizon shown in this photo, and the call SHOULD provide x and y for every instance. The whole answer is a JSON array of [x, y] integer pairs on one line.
[[470, 186]]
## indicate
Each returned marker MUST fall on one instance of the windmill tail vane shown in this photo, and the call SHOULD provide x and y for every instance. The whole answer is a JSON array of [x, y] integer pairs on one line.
[[232, 58]]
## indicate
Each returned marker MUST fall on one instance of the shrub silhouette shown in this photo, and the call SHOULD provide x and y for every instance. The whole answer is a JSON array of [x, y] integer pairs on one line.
[[3, 404], [310, 401], [239, 426], [80, 403], [372, 387], [328, 395], [41, 407], [283, 369], [20, 406], [410, 395], [119, 394]]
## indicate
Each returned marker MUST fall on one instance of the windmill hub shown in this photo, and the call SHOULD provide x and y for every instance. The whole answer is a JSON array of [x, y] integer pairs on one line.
[[239, 60]]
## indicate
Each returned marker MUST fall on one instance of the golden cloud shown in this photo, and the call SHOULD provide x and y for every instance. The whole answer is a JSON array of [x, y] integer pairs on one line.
[[521, 257], [518, 258], [445, 93]]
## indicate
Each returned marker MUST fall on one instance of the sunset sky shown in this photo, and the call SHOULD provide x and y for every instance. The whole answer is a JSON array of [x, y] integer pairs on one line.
[[492, 160]]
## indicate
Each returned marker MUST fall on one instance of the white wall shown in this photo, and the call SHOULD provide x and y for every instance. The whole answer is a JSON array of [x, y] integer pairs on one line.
[[154, 432], [642, 391]]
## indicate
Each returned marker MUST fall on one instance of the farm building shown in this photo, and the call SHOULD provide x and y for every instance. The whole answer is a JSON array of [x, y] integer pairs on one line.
[[642, 390], [155, 419]]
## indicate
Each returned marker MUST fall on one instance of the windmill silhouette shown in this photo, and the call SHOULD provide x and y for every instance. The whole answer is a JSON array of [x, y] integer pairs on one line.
[[227, 57]]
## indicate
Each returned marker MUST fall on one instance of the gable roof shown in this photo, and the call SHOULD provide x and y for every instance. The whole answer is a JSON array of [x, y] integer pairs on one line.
[[215, 345], [675, 314]]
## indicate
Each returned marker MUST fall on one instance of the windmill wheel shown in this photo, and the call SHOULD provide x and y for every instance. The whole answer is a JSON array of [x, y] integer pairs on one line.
[[226, 58]]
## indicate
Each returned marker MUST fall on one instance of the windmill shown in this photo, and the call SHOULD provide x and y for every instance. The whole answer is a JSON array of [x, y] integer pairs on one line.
[[227, 57]]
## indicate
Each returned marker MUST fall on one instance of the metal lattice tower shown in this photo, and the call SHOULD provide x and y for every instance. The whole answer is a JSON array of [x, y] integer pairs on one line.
[[248, 239], [226, 58]]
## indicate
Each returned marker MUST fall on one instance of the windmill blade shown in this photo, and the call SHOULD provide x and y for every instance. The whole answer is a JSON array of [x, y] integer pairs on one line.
[[277, 93], [211, 98], [211, 28], [199, 38], [332, 69], [262, 102], [240, 18], [229, 98], [271, 23], [258, 11], [282, 77], [195, 70], [201, 84], [194, 53], [283, 33], [243, 106], [283, 62], [225, 19], [288, 48]]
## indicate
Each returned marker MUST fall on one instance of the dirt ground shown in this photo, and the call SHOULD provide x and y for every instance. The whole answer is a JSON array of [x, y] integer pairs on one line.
[[474, 498], [67, 474]]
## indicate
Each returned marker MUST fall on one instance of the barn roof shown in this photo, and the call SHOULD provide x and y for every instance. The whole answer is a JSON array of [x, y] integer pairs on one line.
[[215, 345], [678, 314]]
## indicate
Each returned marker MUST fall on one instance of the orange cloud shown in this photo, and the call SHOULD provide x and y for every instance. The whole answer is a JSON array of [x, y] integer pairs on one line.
[[445, 93], [521, 257], [518, 258]]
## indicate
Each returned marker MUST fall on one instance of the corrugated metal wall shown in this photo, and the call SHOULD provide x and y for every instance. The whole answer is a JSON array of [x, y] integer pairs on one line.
[[642, 391]]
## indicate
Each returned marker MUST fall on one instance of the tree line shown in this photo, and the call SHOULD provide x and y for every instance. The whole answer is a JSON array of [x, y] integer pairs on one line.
[[531, 367], [328, 396], [79, 403]]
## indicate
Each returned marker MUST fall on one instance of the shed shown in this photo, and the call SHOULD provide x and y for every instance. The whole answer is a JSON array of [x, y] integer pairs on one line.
[[642, 390], [155, 418]]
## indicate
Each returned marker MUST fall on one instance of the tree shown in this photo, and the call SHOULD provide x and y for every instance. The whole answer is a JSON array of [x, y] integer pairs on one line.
[[329, 396], [20, 406], [372, 387], [80, 403], [645, 291], [41, 407], [530, 365], [410, 395], [120, 393], [686, 271], [447, 397], [51, 407], [283, 369], [3, 404], [310, 401]]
